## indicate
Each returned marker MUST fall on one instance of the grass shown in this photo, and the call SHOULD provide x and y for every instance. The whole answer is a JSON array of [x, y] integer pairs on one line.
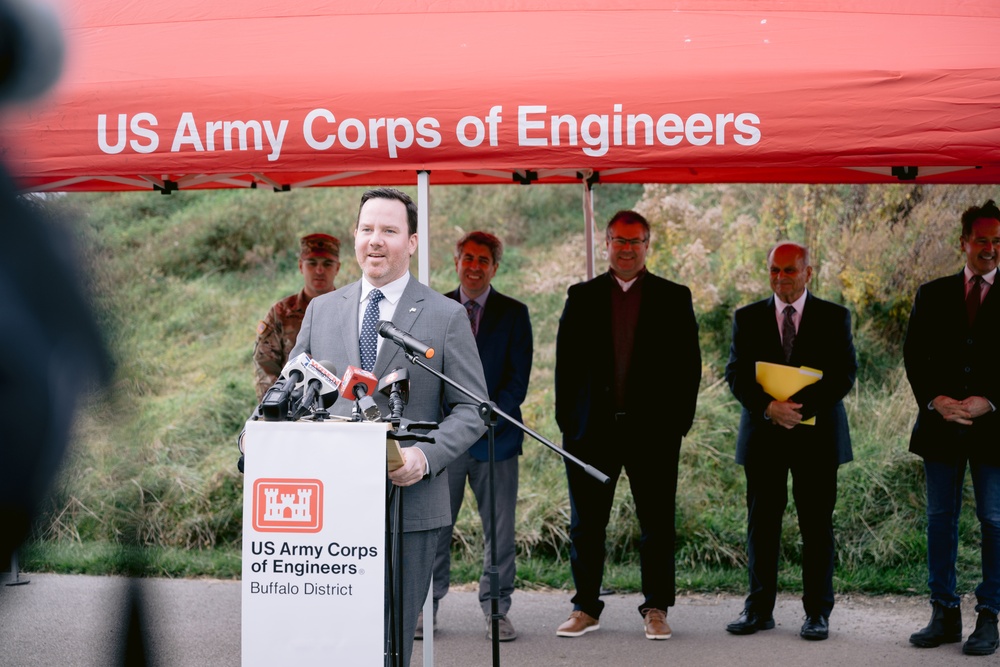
[[151, 486]]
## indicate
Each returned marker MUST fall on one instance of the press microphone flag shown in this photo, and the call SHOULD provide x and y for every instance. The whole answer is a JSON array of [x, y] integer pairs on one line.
[[404, 340], [360, 385], [322, 386]]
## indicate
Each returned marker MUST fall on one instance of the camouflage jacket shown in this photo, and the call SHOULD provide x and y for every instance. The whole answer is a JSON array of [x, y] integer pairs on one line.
[[276, 335]]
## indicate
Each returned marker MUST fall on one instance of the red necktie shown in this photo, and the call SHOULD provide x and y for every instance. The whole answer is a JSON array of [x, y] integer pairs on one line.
[[974, 298]]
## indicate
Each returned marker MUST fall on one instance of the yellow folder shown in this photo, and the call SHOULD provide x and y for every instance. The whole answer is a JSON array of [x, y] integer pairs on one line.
[[783, 382]]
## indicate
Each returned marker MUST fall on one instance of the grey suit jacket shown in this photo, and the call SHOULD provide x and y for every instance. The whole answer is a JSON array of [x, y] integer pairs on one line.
[[330, 333]]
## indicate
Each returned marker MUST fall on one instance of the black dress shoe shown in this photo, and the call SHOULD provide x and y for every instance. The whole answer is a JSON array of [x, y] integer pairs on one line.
[[984, 640], [750, 622], [816, 627], [945, 628]]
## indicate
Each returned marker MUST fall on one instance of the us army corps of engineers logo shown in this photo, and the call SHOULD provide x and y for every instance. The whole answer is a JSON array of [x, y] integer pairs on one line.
[[287, 505]]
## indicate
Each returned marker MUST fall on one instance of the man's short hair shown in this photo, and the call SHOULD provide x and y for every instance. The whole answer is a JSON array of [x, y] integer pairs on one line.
[[987, 210], [628, 218], [482, 238], [319, 244], [392, 193]]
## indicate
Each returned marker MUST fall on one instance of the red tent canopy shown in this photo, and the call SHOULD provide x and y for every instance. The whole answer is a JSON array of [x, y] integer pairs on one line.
[[241, 93]]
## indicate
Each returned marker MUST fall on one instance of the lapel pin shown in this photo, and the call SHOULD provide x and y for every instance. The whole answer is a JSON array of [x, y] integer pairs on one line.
[[413, 310]]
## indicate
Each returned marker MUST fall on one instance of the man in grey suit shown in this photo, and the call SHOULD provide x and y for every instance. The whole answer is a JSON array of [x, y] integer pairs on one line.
[[335, 329]]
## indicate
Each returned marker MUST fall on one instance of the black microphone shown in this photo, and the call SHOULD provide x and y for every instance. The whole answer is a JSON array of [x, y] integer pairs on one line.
[[360, 384], [396, 385], [404, 340], [274, 405]]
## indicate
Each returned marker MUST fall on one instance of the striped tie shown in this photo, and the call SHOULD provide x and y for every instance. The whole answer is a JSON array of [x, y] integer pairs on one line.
[[788, 333], [473, 308]]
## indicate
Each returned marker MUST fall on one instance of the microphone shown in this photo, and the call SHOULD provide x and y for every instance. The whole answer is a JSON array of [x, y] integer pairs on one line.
[[274, 405], [396, 385], [294, 385], [360, 384], [293, 369], [322, 383], [404, 340]]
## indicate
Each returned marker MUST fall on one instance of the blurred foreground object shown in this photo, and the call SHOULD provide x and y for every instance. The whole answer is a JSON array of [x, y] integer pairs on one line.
[[52, 352]]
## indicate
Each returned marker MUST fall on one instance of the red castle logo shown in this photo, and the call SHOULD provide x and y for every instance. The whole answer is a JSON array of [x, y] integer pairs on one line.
[[288, 505]]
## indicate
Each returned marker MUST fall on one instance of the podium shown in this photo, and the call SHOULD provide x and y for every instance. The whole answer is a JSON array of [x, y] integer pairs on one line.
[[313, 544]]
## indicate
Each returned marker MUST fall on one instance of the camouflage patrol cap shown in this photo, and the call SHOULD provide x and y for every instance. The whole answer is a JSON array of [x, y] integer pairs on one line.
[[320, 244]]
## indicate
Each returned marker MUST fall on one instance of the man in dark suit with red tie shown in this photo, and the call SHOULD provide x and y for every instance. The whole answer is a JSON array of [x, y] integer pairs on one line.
[[503, 335], [794, 328], [954, 371]]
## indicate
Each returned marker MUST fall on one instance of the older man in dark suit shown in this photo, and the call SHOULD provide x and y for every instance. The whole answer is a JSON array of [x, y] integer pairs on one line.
[[614, 413], [795, 328], [503, 335], [339, 327], [954, 371]]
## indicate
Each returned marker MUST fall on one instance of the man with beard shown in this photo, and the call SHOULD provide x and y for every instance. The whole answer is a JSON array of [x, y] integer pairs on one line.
[[954, 371], [340, 327]]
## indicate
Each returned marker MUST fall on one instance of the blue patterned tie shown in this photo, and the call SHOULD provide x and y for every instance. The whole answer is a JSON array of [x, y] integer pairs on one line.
[[369, 337]]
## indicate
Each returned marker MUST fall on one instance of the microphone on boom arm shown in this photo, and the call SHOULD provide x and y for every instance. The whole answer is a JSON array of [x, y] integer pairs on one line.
[[403, 339]]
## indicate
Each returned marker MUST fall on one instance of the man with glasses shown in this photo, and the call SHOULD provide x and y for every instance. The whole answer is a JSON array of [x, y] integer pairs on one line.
[[614, 412], [805, 435]]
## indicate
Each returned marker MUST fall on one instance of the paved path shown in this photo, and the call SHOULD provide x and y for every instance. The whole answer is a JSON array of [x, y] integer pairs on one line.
[[75, 621]]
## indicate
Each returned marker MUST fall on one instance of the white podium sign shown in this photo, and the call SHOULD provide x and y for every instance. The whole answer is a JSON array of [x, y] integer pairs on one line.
[[313, 544]]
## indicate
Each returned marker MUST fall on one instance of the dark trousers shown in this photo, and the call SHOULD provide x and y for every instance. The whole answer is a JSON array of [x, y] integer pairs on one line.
[[814, 488], [418, 559], [652, 474]]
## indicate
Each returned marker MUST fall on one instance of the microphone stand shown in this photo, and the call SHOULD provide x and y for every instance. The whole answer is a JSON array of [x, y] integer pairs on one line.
[[488, 411]]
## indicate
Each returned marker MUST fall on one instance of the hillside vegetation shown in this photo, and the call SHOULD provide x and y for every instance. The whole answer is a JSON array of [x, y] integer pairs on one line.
[[181, 281]]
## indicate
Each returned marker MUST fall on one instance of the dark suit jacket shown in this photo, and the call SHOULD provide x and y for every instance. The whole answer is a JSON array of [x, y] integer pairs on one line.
[[505, 347], [944, 357], [330, 332], [823, 342], [665, 371]]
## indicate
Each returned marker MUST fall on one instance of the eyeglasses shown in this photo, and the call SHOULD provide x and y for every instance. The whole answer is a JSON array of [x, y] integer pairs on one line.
[[619, 242]]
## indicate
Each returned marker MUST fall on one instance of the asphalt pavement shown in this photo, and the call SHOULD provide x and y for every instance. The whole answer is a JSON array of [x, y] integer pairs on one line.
[[72, 620]]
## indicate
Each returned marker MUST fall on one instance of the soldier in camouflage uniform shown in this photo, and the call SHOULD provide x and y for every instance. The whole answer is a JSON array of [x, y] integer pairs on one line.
[[319, 262]]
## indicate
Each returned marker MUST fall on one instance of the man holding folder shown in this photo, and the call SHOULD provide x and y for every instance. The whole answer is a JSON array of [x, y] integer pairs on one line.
[[791, 328]]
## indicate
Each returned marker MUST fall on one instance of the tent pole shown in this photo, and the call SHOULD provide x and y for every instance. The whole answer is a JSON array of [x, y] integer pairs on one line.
[[424, 276], [423, 227], [588, 231]]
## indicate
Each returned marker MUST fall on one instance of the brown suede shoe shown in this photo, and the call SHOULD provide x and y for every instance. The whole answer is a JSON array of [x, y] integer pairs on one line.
[[655, 621], [578, 624]]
